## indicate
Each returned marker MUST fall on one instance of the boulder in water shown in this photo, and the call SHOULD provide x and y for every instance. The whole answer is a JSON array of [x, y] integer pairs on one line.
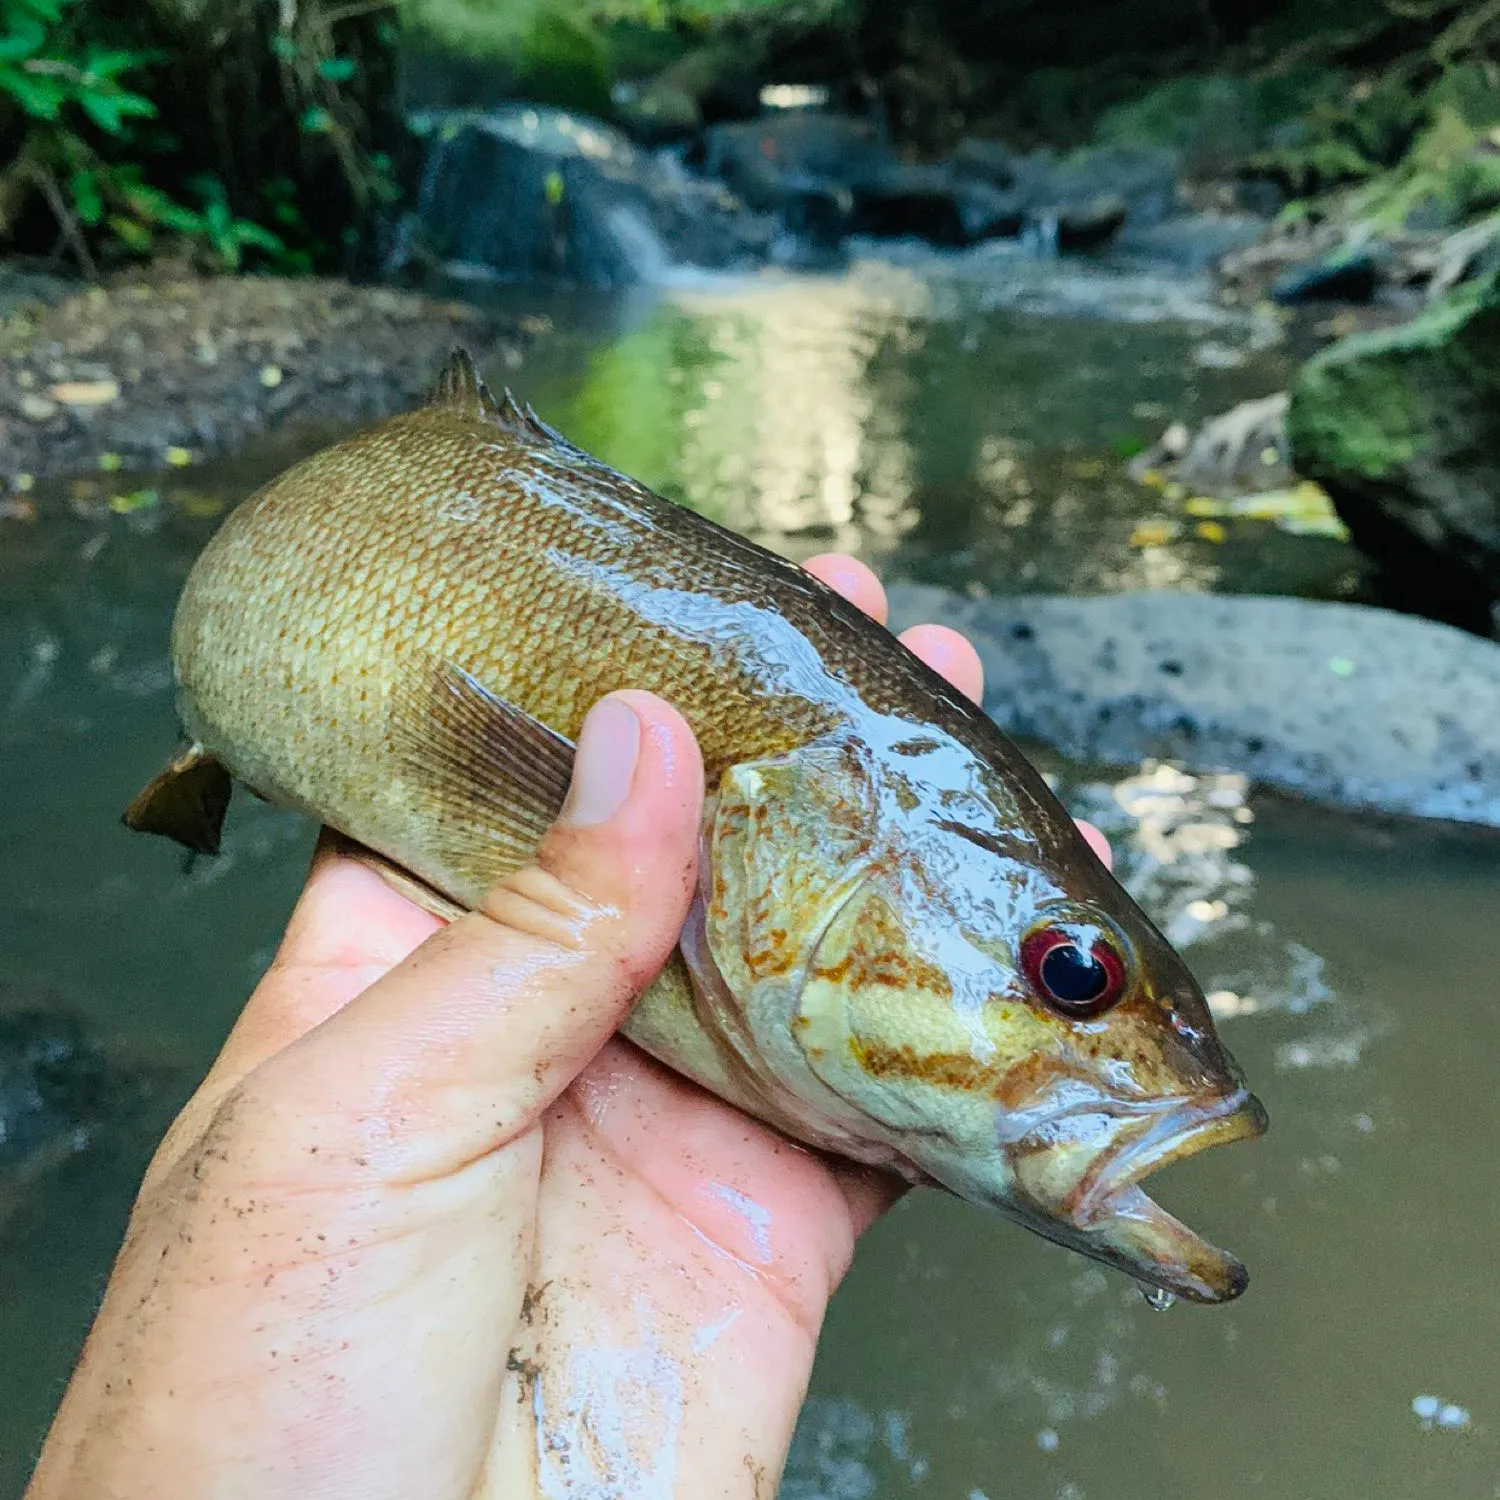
[[533, 194], [1402, 428], [1336, 703], [1344, 278]]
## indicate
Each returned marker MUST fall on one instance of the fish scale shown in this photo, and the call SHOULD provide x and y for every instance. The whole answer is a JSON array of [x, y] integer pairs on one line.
[[401, 637]]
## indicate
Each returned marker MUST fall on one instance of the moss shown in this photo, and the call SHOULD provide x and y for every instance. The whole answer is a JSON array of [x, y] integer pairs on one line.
[[563, 62], [1367, 407], [478, 29]]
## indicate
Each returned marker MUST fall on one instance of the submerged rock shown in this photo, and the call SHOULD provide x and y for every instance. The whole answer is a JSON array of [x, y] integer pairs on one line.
[[1402, 428], [1336, 703], [56, 1088]]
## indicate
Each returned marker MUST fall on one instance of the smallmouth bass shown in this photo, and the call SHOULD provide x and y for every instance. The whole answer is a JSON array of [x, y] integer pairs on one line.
[[902, 950]]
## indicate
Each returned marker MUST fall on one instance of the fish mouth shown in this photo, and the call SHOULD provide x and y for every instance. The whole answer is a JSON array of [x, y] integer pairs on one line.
[[1105, 1213]]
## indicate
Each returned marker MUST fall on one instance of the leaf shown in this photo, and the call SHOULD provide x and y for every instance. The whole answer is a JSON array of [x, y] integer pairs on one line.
[[257, 237], [25, 41], [88, 204], [283, 47], [49, 12], [338, 69], [110, 64], [103, 110], [316, 122], [40, 97], [131, 233]]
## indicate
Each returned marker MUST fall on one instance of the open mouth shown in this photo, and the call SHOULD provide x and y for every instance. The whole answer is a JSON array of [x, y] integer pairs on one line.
[[1106, 1214]]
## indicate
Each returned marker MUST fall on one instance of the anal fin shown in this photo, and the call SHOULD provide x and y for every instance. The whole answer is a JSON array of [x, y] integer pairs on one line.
[[186, 802]]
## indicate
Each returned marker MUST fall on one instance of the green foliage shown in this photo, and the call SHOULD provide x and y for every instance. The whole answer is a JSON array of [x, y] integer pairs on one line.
[[47, 79], [562, 61], [82, 136]]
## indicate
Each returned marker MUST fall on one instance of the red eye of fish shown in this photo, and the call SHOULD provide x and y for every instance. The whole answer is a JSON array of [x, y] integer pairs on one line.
[[1077, 980]]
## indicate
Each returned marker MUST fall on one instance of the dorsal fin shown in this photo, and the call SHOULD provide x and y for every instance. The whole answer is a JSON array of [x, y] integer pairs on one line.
[[460, 389]]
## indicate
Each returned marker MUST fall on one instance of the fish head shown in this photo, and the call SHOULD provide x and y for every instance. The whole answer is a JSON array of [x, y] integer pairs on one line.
[[960, 981]]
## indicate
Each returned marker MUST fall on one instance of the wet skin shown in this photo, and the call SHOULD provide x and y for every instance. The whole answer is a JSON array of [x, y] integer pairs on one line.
[[419, 1252]]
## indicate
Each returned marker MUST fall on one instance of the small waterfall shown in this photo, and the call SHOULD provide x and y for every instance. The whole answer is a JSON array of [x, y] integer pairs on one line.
[[1043, 238], [639, 244]]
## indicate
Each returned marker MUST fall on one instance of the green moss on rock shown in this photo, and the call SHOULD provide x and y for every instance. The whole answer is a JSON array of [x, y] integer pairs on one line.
[[1402, 427]]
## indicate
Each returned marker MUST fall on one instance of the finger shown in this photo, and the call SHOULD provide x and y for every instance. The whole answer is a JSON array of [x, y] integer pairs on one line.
[[1097, 842], [462, 1046], [949, 653], [349, 929], [848, 576]]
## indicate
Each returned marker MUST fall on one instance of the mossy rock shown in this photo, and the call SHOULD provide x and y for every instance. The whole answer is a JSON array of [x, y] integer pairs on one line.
[[1402, 427], [563, 62]]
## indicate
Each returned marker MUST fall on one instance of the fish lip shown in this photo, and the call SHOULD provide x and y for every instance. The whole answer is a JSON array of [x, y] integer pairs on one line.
[[1184, 1129], [1105, 1214]]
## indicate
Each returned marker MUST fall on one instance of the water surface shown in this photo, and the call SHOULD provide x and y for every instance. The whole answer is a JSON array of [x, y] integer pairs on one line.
[[952, 435]]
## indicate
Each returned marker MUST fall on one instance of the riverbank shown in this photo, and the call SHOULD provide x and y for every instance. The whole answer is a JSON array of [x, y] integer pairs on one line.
[[151, 370]]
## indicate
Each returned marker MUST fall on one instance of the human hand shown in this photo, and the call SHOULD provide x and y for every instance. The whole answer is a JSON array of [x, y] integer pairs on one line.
[[426, 1229]]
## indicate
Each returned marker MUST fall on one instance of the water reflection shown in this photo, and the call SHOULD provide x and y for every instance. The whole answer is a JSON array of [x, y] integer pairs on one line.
[[893, 413]]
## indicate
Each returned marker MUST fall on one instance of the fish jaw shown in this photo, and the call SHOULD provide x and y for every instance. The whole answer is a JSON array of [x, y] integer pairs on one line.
[[1068, 1188]]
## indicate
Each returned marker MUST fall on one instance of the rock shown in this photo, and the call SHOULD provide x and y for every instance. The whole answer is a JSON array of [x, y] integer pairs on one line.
[[1194, 241], [899, 202], [795, 143], [1471, 253], [1242, 451], [1402, 428], [1348, 278], [706, 83], [804, 164], [1087, 226], [1144, 178], [1339, 704], [532, 193], [986, 161]]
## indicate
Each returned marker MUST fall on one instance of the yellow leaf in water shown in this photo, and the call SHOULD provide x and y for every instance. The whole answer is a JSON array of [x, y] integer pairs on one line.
[[270, 376], [198, 505], [1211, 531], [111, 463], [122, 505], [179, 458], [85, 392], [1175, 491], [1153, 533], [1154, 478], [1203, 505], [24, 482]]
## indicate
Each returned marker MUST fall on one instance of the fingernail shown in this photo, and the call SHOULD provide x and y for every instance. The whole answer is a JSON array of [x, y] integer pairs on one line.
[[609, 745]]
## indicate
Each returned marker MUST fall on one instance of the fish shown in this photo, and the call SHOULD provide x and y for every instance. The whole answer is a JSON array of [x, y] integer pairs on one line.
[[901, 950]]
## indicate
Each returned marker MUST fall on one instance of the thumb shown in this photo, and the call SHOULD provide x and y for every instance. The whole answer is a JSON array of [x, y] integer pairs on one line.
[[461, 1047]]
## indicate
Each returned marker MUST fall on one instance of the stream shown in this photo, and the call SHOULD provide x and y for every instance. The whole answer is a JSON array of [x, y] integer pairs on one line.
[[957, 422]]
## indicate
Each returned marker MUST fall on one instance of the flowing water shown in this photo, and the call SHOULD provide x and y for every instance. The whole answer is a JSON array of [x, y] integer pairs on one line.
[[961, 428]]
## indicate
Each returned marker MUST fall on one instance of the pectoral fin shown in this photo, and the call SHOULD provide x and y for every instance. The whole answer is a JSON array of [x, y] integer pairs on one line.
[[493, 777], [187, 802]]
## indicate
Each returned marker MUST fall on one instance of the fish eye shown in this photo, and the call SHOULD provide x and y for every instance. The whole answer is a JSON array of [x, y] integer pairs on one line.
[[1072, 974]]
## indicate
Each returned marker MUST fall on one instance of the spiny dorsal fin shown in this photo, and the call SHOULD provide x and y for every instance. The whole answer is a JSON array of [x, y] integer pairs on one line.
[[460, 389]]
